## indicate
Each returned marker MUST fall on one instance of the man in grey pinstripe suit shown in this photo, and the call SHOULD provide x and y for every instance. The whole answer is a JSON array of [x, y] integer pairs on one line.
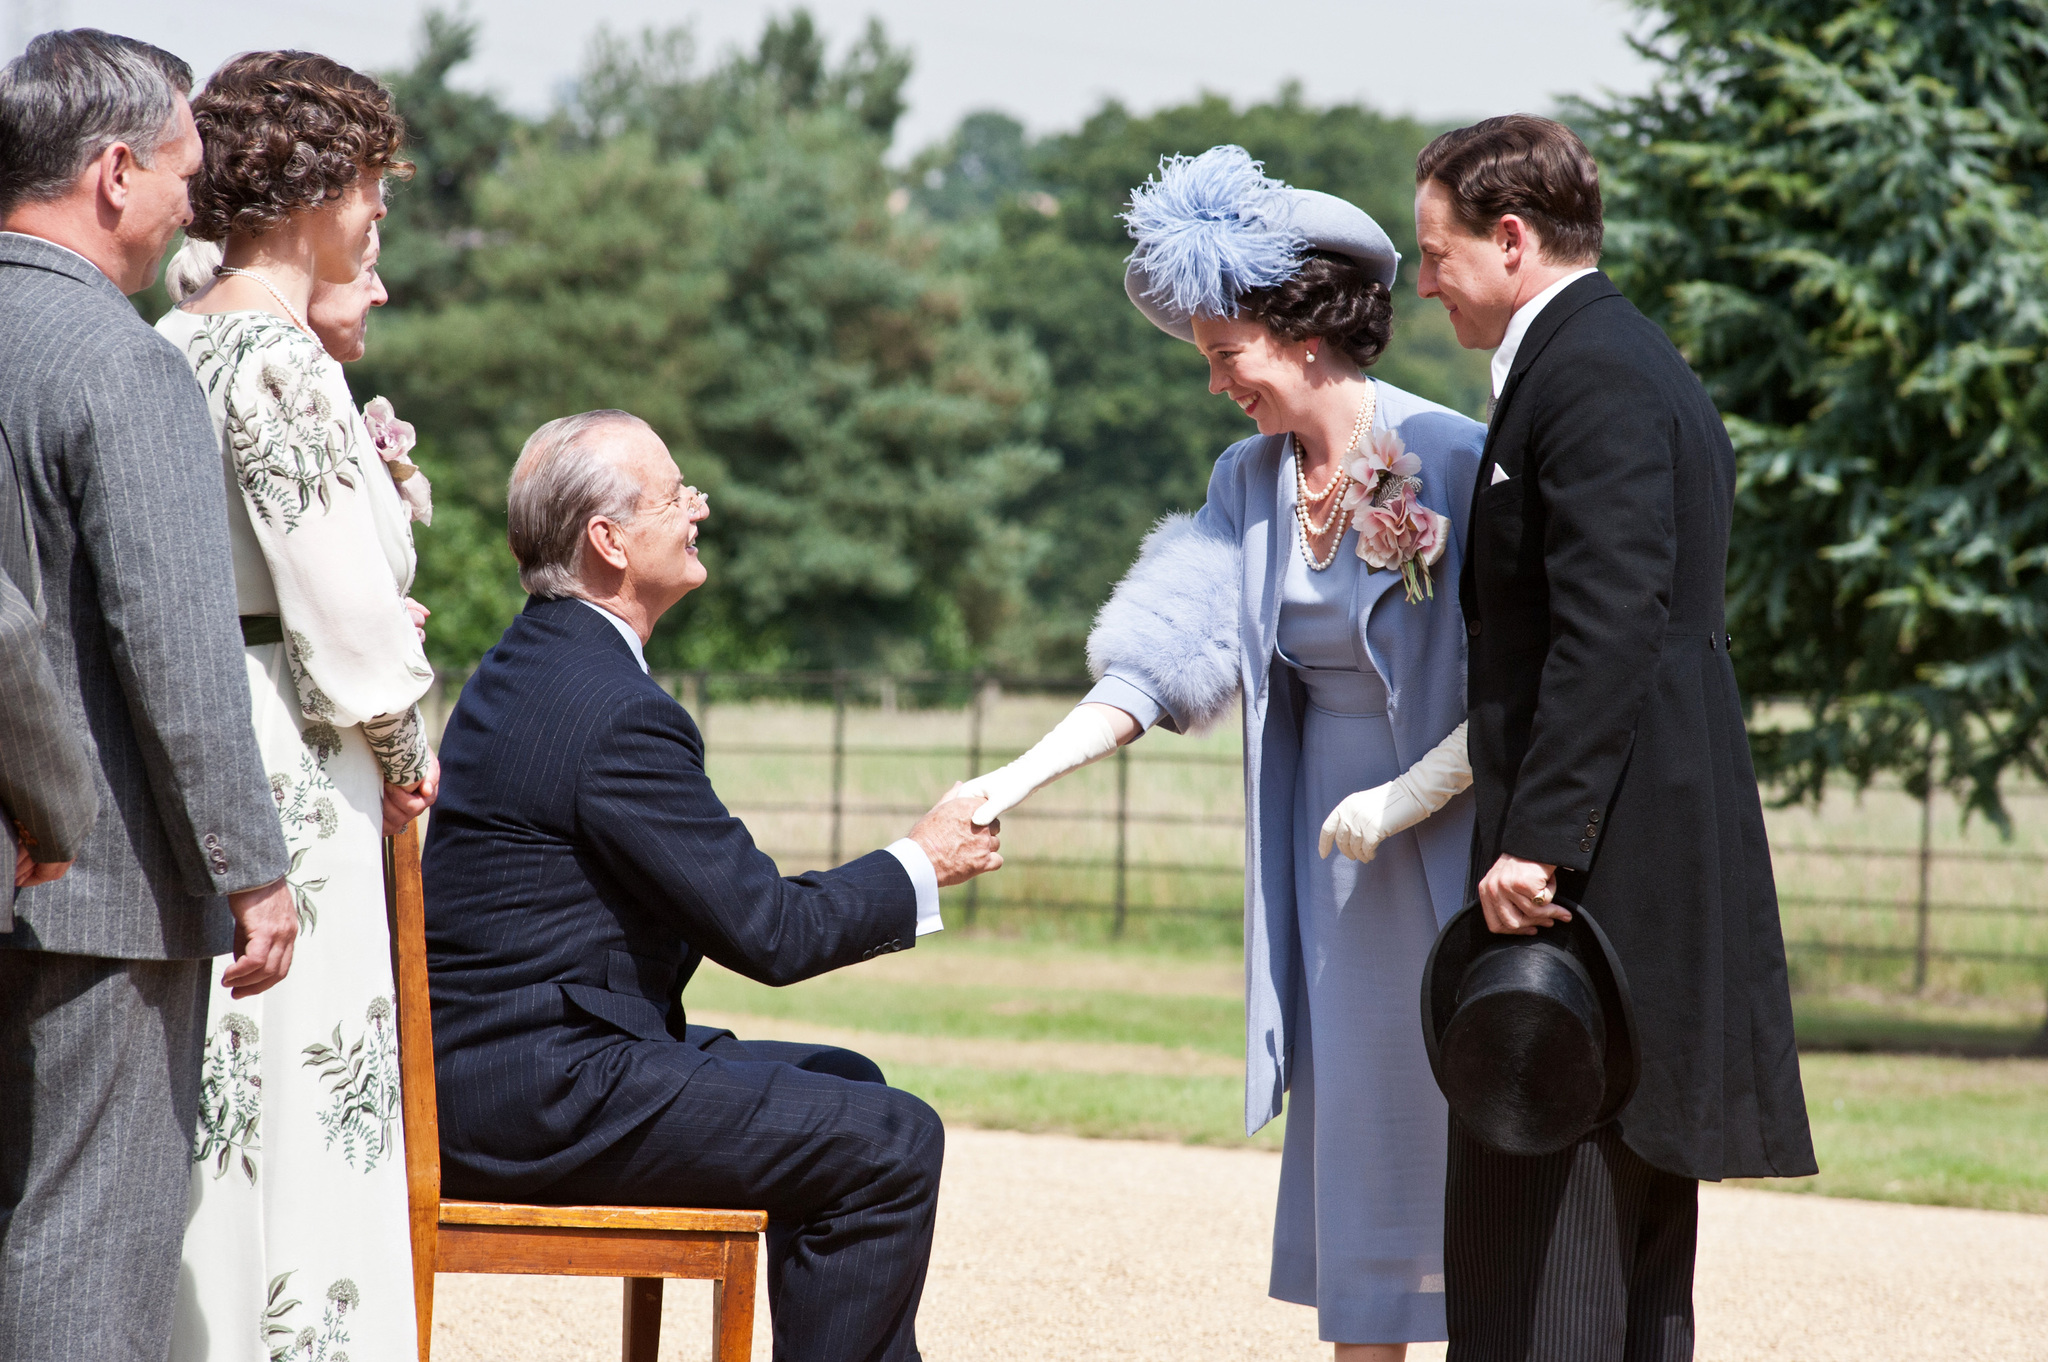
[[103, 977]]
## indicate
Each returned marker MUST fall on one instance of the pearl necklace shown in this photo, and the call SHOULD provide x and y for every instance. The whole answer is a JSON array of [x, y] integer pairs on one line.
[[1305, 504], [289, 310]]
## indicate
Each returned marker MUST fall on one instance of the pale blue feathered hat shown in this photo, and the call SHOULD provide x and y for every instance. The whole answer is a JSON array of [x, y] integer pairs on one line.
[[1212, 227]]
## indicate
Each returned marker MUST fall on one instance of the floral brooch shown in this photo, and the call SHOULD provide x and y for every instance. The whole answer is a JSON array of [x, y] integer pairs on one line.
[[1395, 530]]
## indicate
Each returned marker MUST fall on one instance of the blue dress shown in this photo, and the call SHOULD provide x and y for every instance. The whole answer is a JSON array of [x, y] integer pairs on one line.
[[1333, 950], [1359, 1231]]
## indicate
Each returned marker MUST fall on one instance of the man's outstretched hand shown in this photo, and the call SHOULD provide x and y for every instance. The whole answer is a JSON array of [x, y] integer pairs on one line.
[[958, 850]]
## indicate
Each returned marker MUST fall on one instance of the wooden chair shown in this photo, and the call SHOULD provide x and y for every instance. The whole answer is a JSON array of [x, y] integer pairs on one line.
[[642, 1244]]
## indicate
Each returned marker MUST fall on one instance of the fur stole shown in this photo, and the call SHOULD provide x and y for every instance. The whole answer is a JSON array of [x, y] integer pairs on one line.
[[1173, 621]]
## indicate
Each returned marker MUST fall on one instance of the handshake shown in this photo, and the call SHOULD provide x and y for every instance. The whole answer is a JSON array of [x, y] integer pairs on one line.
[[959, 835], [957, 848]]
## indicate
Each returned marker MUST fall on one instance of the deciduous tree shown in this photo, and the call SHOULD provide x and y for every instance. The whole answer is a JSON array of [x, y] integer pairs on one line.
[[715, 251]]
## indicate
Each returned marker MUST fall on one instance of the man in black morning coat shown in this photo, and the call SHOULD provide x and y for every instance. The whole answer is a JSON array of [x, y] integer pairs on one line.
[[577, 869], [1609, 761]]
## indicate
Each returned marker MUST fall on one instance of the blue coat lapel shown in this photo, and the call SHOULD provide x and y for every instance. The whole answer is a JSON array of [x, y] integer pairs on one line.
[[1266, 542]]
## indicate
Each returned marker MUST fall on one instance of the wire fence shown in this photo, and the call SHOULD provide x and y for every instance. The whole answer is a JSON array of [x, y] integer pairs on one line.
[[826, 765]]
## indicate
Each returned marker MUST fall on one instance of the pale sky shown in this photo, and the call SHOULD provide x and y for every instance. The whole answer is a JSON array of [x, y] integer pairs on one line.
[[1048, 62]]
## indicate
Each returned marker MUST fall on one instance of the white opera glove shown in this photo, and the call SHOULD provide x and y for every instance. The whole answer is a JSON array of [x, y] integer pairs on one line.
[[1084, 736], [1362, 821]]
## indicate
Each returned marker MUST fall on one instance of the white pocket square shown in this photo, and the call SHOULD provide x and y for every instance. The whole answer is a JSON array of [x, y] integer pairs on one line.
[[1499, 476]]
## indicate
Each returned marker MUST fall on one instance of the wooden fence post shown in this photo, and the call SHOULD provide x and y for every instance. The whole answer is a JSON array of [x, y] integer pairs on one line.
[[838, 762], [974, 723], [1926, 865], [1123, 837]]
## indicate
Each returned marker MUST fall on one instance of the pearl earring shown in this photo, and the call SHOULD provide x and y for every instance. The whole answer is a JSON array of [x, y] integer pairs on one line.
[[1311, 357]]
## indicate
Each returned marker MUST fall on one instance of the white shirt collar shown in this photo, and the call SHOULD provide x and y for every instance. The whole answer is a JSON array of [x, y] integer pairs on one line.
[[1518, 326], [625, 632]]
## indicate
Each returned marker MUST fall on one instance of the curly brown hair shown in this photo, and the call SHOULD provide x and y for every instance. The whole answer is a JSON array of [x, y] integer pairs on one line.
[[1329, 297], [286, 131]]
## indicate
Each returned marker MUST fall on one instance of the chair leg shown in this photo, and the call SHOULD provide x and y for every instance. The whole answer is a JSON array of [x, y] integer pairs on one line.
[[643, 1319], [423, 1308], [732, 1302]]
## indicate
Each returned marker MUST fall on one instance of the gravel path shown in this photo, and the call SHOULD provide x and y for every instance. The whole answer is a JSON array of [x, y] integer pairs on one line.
[[1055, 1248]]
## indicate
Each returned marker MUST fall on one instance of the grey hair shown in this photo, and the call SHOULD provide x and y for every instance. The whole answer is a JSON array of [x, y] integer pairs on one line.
[[560, 482], [191, 269], [73, 94]]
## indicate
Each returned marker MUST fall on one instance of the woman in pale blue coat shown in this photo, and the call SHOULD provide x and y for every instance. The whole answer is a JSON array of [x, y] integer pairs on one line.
[[1348, 652]]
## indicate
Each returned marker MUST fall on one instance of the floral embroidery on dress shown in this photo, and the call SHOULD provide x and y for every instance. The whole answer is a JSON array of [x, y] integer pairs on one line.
[[290, 451], [305, 805], [400, 743], [362, 1086], [398, 740], [308, 1344], [313, 702], [322, 739], [230, 1097]]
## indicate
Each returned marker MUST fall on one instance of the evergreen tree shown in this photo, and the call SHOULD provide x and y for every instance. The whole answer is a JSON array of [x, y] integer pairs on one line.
[[454, 138], [1836, 210]]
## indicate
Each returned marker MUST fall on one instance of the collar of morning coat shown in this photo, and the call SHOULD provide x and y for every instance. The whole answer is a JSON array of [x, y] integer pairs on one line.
[[1524, 318], [1587, 289], [33, 252]]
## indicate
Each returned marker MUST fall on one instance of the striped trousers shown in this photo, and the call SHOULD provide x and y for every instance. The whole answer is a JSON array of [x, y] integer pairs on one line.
[[99, 1093], [1585, 1255]]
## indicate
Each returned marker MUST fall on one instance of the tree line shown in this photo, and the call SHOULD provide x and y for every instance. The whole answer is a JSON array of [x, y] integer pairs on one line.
[[934, 430], [932, 427]]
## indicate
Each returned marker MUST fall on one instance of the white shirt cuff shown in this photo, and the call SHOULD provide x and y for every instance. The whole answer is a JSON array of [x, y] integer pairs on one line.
[[924, 879]]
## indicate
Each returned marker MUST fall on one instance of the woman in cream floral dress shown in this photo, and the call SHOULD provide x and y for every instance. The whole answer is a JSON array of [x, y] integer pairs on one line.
[[297, 1247]]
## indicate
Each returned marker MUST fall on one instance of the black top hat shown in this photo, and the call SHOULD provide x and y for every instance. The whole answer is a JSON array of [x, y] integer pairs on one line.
[[1531, 1038]]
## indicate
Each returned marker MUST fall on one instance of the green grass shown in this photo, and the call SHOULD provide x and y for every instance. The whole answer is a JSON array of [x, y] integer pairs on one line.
[[1104, 1106], [1213, 1025], [1901, 1127], [1943, 1132], [1871, 1024]]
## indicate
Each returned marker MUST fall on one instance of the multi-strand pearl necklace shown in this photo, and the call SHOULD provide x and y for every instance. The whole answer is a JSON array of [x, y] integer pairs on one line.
[[1332, 495]]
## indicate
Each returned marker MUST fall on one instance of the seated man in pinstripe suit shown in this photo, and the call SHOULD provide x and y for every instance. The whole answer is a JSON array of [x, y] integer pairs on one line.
[[578, 868]]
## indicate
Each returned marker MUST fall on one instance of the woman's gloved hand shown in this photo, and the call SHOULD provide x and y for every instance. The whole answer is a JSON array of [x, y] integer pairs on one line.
[[1087, 735], [1362, 821]]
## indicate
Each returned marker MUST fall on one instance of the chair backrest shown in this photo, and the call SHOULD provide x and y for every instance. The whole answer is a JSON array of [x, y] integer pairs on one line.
[[407, 907]]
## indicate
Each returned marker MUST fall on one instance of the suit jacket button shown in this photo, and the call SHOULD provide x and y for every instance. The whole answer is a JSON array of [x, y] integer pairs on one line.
[[1472, 628], [1593, 817], [1586, 845]]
